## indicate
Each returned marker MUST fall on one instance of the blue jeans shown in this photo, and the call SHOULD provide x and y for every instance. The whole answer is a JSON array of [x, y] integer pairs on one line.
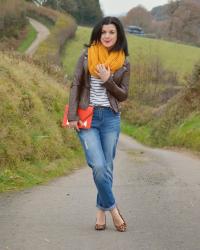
[[99, 144]]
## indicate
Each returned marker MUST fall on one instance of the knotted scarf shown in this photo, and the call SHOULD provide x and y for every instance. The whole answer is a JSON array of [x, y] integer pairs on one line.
[[98, 54]]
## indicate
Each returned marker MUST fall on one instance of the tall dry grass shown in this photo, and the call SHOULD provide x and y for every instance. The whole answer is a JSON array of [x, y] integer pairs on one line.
[[176, 122], [151, 83]]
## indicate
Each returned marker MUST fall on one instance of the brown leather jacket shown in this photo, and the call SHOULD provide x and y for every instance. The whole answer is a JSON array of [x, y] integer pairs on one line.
[[116, 86]]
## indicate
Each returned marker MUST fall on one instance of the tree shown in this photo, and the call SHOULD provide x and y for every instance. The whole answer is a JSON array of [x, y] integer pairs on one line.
[[89, 12], [85, 11], [172, 6], [182, 22], [138, 16], [54, 4], [185, 21], [69, 6]]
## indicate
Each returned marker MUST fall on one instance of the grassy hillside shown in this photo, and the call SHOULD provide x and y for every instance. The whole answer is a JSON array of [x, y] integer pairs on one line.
[[187, 134], [175, 56], [33, 146], [73, 48]]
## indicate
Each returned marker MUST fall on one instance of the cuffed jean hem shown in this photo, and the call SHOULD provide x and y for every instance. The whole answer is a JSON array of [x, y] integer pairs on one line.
[[106, 209]]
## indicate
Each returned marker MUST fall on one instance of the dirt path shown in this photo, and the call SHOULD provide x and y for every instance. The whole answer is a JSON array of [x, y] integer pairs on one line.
[[158, 192], [42, 34]]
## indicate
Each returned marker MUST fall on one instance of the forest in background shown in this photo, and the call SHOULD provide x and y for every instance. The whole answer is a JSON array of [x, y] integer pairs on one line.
[[178, 21], [86, 12]]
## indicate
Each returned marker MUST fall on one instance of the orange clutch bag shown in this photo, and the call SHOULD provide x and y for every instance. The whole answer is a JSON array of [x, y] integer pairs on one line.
[[85, 115]]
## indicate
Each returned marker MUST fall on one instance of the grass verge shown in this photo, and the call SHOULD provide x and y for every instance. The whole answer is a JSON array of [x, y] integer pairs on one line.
[[30, 37], [140, 133], [26, 175]]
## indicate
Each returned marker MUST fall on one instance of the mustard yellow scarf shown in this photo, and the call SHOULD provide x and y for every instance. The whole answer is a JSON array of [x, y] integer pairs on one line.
[[98, 54]]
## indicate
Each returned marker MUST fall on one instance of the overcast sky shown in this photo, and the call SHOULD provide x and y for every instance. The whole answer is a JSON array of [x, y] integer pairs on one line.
[[117, 7]]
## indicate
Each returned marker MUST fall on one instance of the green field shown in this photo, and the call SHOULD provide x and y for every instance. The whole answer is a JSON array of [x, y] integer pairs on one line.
[[174, 56]]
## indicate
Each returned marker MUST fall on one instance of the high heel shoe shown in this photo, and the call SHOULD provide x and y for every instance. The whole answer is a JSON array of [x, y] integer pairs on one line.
[[123, 226], [100, 227]]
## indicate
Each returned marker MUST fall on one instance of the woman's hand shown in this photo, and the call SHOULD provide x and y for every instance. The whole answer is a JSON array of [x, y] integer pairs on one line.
[[74, 125], [102, 72]]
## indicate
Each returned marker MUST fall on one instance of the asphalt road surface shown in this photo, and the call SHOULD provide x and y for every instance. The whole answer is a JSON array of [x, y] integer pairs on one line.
[[157, 191]]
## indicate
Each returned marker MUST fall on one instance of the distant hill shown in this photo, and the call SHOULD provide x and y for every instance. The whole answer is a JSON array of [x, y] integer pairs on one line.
[[160, 12]]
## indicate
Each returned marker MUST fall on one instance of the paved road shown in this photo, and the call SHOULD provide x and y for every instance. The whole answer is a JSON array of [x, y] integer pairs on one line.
[[42, 34], [158, 192]]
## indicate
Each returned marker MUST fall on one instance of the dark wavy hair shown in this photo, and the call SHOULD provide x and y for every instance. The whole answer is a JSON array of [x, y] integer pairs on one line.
[[121, 43]]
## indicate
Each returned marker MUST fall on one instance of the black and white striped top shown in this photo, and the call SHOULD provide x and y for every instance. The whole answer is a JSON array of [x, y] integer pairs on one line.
[[98, 95]]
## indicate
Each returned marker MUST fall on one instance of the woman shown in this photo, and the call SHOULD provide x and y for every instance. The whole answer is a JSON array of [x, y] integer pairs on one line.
[[101, 79]]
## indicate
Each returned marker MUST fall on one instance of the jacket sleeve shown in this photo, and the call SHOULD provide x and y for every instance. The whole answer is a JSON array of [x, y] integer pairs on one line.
[[75, 89], [119, 90]]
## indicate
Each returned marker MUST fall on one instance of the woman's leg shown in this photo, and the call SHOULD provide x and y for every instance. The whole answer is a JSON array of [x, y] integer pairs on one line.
[[109, 133], [109, 143], [109, 138], [92, 144]]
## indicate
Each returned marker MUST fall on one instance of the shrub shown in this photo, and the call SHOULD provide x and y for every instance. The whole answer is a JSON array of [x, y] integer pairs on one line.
[[179, 107], [12, 18], [194, 79], [151, 84]]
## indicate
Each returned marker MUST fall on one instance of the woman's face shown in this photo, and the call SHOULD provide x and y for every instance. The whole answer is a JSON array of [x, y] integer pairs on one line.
[[108, 35]]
